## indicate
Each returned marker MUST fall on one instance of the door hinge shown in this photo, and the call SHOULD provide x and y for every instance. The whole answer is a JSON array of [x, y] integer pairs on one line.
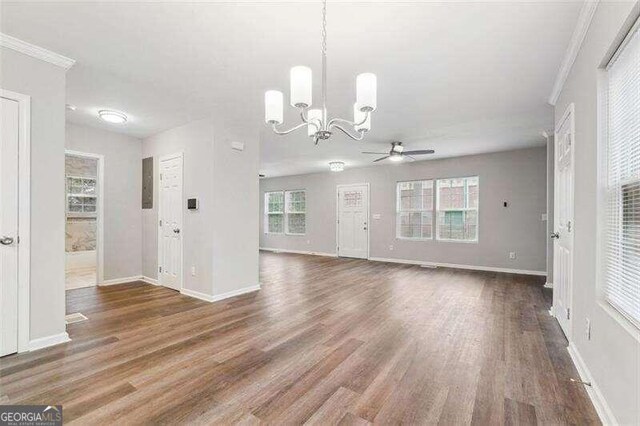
[[160, 269], [160, 222], [568, 313], [160, 176]]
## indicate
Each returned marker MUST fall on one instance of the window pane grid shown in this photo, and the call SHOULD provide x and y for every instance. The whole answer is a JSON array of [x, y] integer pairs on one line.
[[285, 212], [414, 210], [457, 209]]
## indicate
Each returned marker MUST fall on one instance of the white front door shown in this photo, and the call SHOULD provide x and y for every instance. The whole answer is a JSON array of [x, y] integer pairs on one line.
[[9, 125], [353, 221], [170, 222], [563, 222]]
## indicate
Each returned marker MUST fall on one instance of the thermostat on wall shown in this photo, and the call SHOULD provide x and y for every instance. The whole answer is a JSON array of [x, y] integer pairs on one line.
[[192, 204]]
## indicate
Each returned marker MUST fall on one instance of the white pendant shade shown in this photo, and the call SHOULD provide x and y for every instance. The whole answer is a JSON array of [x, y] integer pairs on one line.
[[313, 116], [273, 107], [358, 116], [366, 91], [301, 86]]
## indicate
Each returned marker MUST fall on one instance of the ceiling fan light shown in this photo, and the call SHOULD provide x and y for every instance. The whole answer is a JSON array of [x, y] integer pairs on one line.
[[112, 116], [395, 157], [336, 166]]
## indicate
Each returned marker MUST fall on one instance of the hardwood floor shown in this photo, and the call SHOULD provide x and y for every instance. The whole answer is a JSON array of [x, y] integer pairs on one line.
[[326, 341]]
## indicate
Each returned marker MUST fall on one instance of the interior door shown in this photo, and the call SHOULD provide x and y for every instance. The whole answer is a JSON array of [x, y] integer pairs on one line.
[[170, 223], [9, 125], [563, 223], [353, 221]]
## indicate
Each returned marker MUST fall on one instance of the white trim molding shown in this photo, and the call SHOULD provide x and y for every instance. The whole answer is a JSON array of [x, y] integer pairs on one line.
[[599, 403], [124, 280], [217, 298], [458, 266], [36, 51], [45, 342], [313, 253], [579, 33], [149, 280]]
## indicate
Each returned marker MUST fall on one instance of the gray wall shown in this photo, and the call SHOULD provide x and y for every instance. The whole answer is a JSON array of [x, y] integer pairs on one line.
[[613, 353], [45, 83], [122, 192], [518, 177]]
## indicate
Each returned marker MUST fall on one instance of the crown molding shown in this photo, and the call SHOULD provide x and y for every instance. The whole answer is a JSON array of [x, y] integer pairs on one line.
[[36, 51], [579, 33]]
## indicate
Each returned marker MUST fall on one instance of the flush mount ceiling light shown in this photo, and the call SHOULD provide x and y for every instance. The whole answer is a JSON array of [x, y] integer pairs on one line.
[[336, 166], [317, 122], [112, 116]]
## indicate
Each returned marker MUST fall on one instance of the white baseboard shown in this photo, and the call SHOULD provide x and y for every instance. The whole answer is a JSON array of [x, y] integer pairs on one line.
[[197, 295], [45, 342], [600, 404], [149, 280], [218, 297], [458, 266], [122, 280], [548, 285], [313, 253]]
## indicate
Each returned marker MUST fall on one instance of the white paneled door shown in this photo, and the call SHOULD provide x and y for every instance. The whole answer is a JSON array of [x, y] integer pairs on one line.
[[353, 221], [563, 222], [9, 127], [170, 222]]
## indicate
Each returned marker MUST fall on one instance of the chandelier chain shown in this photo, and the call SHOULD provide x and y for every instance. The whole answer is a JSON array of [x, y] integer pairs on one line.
[[324, 27]]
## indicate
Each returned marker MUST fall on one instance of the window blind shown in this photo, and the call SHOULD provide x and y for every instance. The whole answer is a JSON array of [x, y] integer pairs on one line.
[[621, 247]]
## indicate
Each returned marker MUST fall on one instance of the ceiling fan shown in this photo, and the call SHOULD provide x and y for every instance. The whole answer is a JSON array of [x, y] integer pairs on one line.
[[398, 153]]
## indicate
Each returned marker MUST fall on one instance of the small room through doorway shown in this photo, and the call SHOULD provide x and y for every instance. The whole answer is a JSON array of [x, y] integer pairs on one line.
[[82, 219]]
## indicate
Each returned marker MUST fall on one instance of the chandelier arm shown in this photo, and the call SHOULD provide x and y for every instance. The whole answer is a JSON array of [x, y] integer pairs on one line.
[[349, 123], [343, 130], [274, 126]]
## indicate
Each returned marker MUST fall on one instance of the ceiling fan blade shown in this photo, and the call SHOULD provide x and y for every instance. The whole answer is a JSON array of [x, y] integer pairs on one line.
[[377, 153], [419, 152], [410, 157], [381, 158]]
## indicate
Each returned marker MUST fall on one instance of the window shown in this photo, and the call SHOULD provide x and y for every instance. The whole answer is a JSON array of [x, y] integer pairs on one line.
[[296, 205], [414, 210], [457, 201], [274, 212], [621, 180], [81, 196], [285, 212]]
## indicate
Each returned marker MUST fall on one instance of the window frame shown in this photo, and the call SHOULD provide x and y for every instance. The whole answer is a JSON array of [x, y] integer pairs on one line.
[[616, 312], [432, 210], [82, 195], [465, 209], [267, 213], [287, 212]]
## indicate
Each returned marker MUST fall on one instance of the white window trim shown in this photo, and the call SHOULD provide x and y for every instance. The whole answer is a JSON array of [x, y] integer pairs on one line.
[[267, 213], [437, 210], [629, 324], [287, 212], [398, 211]]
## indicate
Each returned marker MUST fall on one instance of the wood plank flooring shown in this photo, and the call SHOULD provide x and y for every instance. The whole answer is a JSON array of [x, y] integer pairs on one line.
[[326, 341]]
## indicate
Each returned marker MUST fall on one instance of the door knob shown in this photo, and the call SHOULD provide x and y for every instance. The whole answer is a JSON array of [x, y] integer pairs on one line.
[[176, 230], [555, 235], [6, 241]]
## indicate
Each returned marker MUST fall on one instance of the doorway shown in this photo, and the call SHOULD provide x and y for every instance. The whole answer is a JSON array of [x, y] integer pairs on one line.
[[563, 221], [83, 219], [170, 222], [353, 221]]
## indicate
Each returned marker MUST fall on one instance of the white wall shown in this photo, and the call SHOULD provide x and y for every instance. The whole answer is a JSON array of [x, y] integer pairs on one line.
[[518, 177], [122, 196], [613, 354], [45, 83]]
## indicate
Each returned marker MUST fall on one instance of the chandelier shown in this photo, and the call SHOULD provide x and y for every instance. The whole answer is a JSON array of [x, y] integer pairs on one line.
[[317, 122]]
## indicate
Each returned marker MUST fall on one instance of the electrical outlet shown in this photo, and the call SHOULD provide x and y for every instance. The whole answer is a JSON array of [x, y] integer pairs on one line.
[[588, 328], [391, 247], [512, 255], [193, 271]]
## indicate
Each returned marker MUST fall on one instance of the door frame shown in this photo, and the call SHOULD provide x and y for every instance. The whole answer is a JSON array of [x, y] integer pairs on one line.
[[368, 215], [179, 154], [569, 114], [24, 214], [100, 211]]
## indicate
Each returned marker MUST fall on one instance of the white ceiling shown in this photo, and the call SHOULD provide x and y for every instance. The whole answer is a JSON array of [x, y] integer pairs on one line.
[[458, 77]]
